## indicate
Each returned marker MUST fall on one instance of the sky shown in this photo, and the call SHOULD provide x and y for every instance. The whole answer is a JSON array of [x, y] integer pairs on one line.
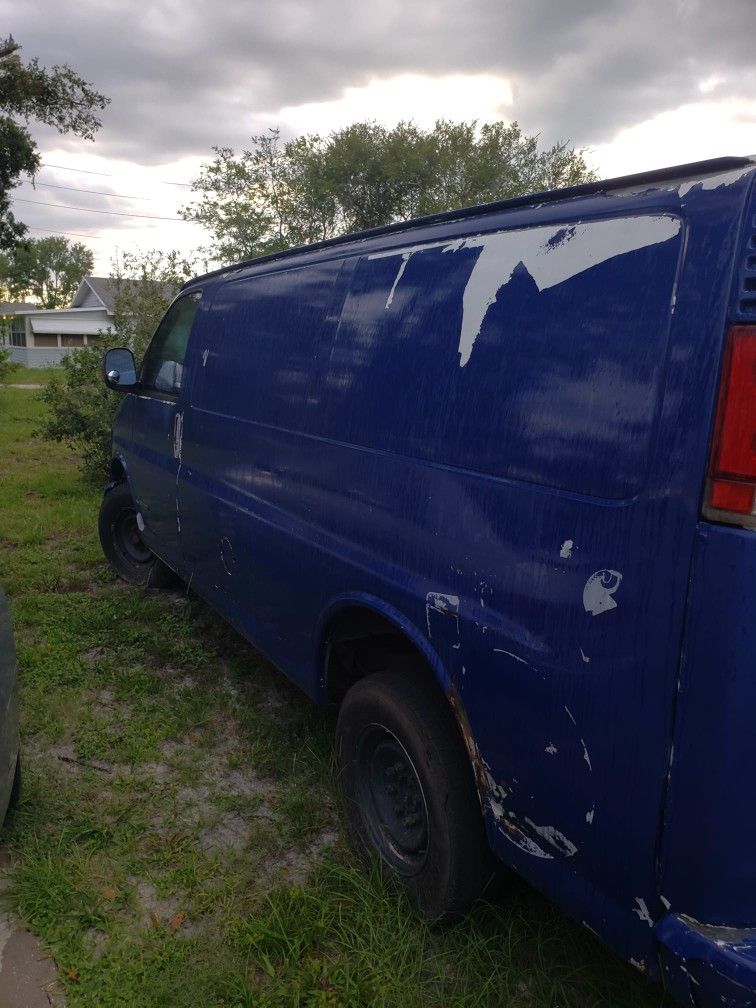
[[637, 84]]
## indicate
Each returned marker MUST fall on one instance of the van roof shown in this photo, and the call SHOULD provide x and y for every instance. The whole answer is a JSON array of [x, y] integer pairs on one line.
[[713, 166]]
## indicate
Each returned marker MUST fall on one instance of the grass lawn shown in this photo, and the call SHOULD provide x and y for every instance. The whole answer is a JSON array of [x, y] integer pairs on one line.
[[178, 843], [32, 375]]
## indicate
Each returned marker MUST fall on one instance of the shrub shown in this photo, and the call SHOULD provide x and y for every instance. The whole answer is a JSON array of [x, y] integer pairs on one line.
[[7, 366], [80, 406]]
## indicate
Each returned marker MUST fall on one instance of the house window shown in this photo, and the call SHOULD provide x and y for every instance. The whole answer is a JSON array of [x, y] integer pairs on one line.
[[45, 341], [18, 332], [72, 340]]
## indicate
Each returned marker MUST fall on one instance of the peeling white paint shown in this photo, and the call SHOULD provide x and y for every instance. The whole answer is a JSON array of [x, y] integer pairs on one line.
[[448, 604], [400, 273], [586, 757], [569, 715], [584, 656], [498, 650], [205, 354], [665, 902], [642, 911], [598, 591], [566, 551], [140, 521], [551, 255], [551, 749], [553, 837], [440, 602], [519, 839], [714, 181], [589, 816]]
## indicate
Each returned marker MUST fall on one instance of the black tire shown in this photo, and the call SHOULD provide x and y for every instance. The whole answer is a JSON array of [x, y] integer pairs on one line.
[[409, 795], [122, 542]]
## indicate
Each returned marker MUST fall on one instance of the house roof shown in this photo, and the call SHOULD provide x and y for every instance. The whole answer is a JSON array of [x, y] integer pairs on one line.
[[105, 290], [14, 307]]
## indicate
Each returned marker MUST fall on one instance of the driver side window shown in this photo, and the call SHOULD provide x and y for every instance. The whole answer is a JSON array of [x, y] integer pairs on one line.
[[163, 364]]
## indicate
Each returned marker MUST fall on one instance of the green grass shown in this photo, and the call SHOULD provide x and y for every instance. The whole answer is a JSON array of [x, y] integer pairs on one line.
[[177, 843], [31, 376]]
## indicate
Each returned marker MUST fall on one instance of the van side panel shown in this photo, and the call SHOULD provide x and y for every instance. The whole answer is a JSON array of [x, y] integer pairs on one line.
[[548, 570], [515, 354]]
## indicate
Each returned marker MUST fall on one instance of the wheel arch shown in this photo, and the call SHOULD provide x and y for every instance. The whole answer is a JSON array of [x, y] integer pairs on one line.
[[353, 623]]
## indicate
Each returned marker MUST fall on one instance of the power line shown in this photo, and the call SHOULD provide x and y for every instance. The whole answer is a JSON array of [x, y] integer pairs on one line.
[[96, 192], [107, 213], [68, 234], [81, 171]]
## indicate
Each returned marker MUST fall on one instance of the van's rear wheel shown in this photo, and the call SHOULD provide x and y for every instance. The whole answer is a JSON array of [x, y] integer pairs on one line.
[[408, 793], [123, 545]]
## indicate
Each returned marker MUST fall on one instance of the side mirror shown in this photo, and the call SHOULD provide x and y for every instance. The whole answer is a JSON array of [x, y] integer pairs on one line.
[[119, 369]]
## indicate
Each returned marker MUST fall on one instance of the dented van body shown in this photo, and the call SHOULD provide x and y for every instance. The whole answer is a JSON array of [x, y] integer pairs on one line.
[[494, 432]]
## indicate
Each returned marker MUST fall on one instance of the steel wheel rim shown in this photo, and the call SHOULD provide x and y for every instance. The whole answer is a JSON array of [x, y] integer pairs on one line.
[[128, 539], [391, 800]]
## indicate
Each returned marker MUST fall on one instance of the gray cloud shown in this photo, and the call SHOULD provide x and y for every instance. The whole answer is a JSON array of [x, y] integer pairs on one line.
[[185, 77]]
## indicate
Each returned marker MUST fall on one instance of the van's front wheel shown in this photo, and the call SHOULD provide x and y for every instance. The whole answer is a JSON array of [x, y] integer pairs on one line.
[[123, 545], [408, 793]]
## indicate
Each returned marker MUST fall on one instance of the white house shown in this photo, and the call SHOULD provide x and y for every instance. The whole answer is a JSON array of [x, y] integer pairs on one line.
[[40, 337]]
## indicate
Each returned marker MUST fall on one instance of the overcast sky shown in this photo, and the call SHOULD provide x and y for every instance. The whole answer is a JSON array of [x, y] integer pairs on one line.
[[639, 83]]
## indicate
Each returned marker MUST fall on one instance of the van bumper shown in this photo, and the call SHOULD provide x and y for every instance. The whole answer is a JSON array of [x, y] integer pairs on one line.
[[703, 965]]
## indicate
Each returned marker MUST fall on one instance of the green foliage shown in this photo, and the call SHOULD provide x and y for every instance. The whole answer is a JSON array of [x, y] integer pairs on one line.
[[80, 407], [46, 269], [57, 98], [7, 366], [277, 195]]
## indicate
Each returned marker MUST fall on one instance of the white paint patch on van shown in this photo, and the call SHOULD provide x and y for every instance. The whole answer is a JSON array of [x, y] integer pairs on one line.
[[498, 650], [447, 605], [589, 816], [406, 256], [569, 715], [551, 749], [642, 911], [598, 591], [584, 656], [714, 181], [586, 757], [140, 521], [665, 902], [205, 354], [551, 255], [554, 838], [566, 551]]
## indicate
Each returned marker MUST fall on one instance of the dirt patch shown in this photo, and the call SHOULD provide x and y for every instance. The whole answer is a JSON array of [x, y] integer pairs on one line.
[[232, 832]]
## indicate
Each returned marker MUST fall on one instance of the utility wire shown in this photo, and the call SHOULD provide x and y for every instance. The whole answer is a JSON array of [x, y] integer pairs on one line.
[[69, 234], [107, 213], [96, 192], [81, 171]]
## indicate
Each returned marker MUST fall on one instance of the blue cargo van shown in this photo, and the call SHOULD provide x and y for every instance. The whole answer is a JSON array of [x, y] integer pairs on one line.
[[487, 481]]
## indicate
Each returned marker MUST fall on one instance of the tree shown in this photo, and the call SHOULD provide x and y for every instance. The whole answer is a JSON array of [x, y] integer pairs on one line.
[[57, 98], [80, 406], [46, 269], [276, 195]]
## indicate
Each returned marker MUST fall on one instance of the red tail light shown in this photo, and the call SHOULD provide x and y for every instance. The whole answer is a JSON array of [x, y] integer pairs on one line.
[[731, 487]]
